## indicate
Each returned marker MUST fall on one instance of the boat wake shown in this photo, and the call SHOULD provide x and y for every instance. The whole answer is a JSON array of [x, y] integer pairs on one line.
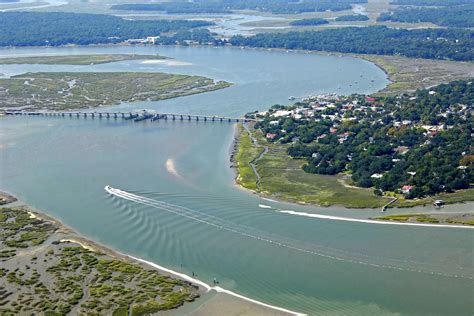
[[279, 241], [369, 221]]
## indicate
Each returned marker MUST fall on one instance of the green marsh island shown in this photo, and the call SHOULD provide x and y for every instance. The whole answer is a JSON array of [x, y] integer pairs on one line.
[[47, 268], [78, 59], [76, 90]]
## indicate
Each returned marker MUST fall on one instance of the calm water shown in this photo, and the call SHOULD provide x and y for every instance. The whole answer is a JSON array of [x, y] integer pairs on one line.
[[305, 264]]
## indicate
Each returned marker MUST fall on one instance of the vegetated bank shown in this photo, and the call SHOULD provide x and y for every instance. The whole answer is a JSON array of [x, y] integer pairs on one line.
[[36, 29], [74, 90], [454, 44], [282, 177], [434, 218], [228, 6], [77, 59], [47, 268], [416, 147], [411, 74], [451, 16]]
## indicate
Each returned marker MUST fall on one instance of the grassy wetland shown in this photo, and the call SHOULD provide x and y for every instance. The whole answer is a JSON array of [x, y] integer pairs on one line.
[[410, 74], [46, 268], [77, 59], [282, 177], [75, 90]]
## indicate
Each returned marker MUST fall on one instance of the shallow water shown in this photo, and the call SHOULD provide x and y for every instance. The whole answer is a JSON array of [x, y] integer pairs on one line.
[[210, 227]]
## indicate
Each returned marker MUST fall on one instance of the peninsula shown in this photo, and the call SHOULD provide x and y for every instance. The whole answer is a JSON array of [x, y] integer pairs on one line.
[[363, 151]]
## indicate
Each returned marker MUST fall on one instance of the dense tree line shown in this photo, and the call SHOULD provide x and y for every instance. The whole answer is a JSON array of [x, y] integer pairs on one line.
[[355, 17], [430, 162], [58, 28], [227, 6], [309, 22], [456, 44], [183, 37], [452, 16]]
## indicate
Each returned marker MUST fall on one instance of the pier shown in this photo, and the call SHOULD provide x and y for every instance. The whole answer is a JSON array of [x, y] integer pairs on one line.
[[135, 116]]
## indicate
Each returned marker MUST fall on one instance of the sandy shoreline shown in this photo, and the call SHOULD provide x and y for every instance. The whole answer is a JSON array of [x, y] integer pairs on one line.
[[241, 305]]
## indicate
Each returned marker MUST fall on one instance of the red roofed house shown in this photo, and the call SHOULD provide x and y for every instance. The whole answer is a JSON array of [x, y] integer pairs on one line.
[[271, 135], [370, 99], [406, 189]]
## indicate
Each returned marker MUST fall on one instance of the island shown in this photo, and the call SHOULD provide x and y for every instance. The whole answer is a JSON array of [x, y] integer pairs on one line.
[[76, 90], [363, 151], [77, 59]]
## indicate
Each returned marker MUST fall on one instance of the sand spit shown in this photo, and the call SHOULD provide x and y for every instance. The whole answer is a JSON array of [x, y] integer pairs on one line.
[[369, 221]]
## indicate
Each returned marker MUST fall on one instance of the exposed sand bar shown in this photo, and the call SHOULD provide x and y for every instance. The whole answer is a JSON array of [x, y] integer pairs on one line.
[[216, 288], [369, 221]]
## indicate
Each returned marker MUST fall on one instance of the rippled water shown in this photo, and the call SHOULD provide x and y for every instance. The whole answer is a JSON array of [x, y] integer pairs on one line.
[[210, 227]]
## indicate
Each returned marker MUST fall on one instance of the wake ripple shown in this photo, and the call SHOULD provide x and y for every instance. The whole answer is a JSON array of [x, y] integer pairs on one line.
[[329, 253]]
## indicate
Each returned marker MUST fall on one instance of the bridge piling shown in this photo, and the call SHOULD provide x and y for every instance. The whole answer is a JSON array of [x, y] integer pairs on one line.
[[137, 116]]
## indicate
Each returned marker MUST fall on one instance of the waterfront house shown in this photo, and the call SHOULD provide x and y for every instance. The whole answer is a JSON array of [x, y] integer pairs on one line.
[[406, 189]]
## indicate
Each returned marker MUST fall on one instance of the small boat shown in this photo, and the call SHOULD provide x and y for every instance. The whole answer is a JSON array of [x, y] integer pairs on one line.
[[291, 98]]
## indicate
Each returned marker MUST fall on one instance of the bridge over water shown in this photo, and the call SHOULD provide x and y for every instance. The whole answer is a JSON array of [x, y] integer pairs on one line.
[[133, 115]]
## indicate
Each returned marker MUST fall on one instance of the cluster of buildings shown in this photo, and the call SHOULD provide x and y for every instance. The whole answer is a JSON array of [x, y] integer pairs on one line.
[[149, 40], [337, 109]]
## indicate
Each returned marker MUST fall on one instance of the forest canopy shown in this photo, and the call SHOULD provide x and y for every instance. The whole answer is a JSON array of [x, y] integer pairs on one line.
[[227, 6], [356, 17], [452, 16], [59, 28], [309, 22], [455, 44]]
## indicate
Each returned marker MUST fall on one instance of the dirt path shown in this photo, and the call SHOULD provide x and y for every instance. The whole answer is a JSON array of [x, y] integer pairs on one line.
[[262, 154]]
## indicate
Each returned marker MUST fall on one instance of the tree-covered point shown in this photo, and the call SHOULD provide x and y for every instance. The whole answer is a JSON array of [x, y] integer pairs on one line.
[[430, 2], [420, 144], [59, 28], [355, 17], [455, 44], [452, 16], [227, 6], [309, 22]]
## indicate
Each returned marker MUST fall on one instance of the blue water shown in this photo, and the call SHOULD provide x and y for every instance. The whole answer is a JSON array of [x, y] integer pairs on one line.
[[309, 265]]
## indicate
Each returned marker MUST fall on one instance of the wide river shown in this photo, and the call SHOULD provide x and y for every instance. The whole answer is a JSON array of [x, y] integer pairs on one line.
[[186, 212]]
